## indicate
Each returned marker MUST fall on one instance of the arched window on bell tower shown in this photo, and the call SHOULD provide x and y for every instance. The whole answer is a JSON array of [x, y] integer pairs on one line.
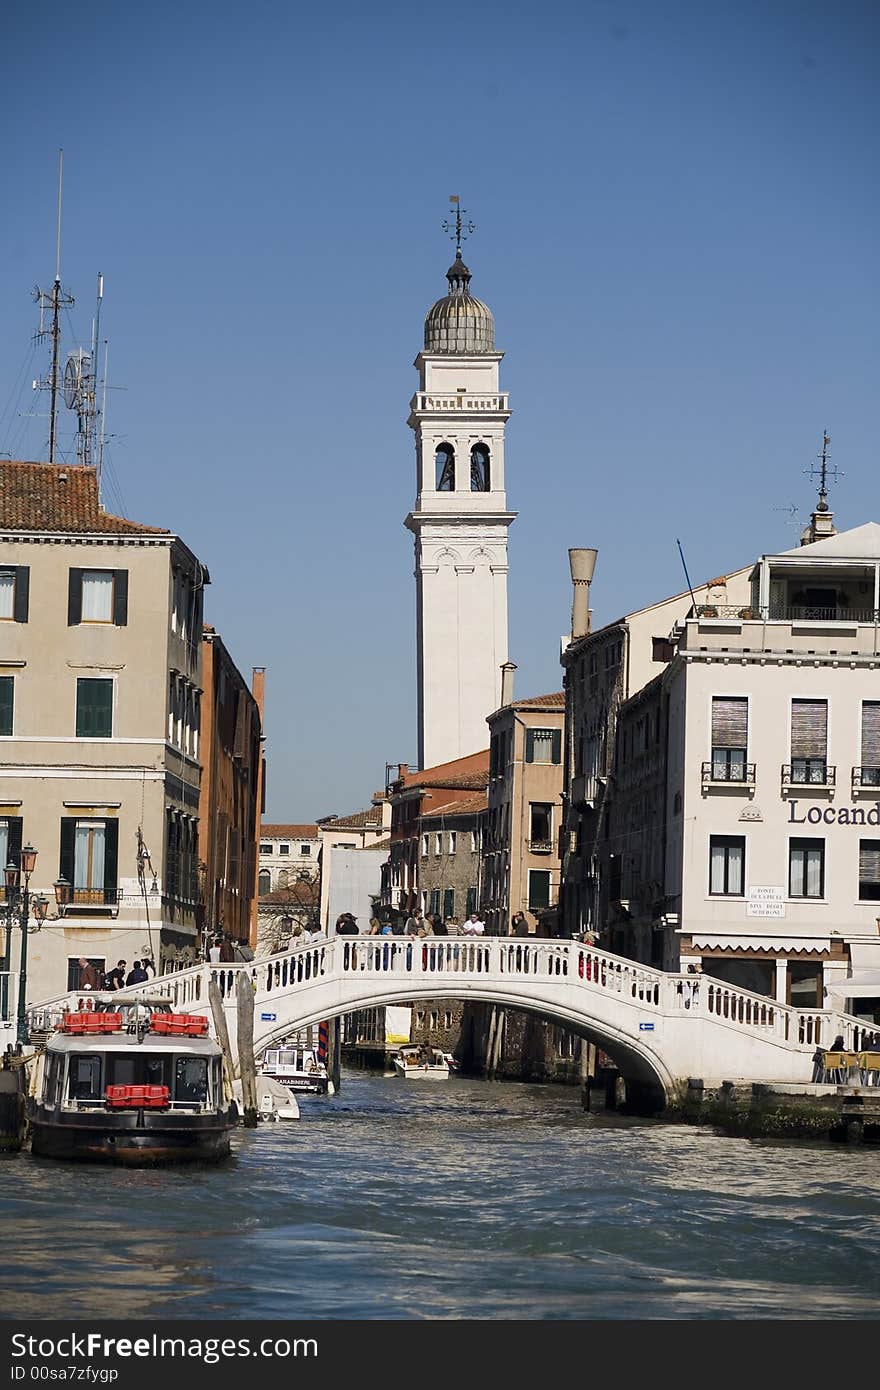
[[444, 468], [480, 468]]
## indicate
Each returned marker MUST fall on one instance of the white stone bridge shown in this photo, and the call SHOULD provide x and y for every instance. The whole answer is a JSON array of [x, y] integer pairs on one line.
[[660, 1028]]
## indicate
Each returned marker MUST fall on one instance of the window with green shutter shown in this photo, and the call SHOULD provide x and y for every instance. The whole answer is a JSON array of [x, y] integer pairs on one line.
[[449, 902], [543, 745], [7, 693], [94, 708], [539, 889]]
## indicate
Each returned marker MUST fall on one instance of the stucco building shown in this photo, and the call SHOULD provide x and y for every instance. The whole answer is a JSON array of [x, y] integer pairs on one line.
[[739, 795], [100, 724], [521, 844], [229, 799]]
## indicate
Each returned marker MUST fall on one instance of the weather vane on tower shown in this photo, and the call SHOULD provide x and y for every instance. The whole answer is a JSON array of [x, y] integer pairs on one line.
[[457, 229], [823, 471]]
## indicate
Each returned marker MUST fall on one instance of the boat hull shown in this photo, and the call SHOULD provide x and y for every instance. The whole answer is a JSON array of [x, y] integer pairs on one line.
[[422, 1073], [136, 1139]]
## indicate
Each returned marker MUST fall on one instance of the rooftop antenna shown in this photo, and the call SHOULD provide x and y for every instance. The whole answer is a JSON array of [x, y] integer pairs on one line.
[[821, 469], [81, 387], [456, 228], [686, 575], [53, 300]]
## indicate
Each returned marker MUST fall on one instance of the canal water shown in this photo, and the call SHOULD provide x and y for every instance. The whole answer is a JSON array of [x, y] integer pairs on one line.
[[452, 1199]]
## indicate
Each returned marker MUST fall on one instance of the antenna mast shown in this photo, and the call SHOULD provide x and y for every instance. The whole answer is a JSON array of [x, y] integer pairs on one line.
[[53, 300]]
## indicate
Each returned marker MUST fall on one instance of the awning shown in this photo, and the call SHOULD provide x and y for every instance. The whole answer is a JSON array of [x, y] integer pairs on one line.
[[719, 941], [864, 984]]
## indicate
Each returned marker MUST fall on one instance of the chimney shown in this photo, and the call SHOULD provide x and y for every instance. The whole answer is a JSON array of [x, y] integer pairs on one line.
[[582, 563], [507, 671]]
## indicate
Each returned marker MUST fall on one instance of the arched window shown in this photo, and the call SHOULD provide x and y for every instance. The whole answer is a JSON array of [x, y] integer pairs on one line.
[[265, 882], [444, 468], [479, 468], [283, 879]]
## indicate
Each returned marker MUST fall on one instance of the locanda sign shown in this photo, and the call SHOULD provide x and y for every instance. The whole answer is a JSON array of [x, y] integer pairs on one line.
[[834, 815]]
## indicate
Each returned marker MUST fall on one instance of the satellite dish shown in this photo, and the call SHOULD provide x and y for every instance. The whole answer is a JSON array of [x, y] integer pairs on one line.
[[72, 381]]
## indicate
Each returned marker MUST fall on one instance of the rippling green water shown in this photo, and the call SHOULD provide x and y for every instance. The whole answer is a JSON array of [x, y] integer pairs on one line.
[[455, 1199]]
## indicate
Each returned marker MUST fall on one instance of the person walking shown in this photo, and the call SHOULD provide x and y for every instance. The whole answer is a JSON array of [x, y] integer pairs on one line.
[[88, 975], [136, 975], [227, 951], [115, 978], [474, 926]]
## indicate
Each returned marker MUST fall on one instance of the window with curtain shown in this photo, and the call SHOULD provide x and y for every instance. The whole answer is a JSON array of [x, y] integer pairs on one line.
[[727, 861], [88, 857], [869, 870], [730, 738], [7, 593], [870, 743], [97, 596], [809, 741], [543, 745], [806, 868]]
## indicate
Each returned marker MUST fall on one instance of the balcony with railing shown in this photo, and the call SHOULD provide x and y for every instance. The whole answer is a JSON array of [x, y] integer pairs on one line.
[[735, 774], [813, 773], [787, 613], [540, 846], [866, 779], [79, 901]]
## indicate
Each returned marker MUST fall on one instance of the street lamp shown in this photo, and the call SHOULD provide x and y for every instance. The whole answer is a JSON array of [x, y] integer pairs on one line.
[[11, 876], [28, 863]]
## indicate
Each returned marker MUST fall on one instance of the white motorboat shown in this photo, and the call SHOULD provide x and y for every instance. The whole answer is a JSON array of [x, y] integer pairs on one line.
[[297, 1068], [274, 1101], [419, 1062]]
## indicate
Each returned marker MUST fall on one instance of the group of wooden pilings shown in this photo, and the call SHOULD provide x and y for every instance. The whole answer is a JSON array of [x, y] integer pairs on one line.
[[247, 1066]]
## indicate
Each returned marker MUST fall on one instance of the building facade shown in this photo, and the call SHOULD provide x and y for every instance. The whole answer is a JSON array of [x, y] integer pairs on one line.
[[361, 830], [521, 846], [415, 795], [229, 800], [740, 812], [100, 725], [287, 851], [460, 523]]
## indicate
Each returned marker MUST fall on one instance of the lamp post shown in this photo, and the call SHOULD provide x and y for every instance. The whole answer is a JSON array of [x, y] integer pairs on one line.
[[11, 876], [28, 863]]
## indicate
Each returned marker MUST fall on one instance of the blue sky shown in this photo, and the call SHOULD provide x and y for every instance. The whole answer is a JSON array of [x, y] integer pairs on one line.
[[676, 208]]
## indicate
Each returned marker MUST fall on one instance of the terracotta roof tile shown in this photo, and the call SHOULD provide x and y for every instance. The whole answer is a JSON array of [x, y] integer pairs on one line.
[[359, 820], [464, 806], [295, 832], [555, 701], [59, 497]]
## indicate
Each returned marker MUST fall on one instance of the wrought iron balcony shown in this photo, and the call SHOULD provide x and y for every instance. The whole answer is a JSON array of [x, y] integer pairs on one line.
[[728, 774], [87, 899], [809, 772], [787, 613], [865, 778]]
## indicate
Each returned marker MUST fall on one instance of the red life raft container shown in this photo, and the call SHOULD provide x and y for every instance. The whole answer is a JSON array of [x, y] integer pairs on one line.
[[138, 1097], [91, 1023], [179, 1025]]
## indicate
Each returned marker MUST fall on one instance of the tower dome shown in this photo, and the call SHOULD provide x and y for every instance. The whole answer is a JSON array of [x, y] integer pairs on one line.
[[459, 323]]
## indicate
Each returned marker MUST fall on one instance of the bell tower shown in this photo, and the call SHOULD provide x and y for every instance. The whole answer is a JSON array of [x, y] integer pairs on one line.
[[460, 520]]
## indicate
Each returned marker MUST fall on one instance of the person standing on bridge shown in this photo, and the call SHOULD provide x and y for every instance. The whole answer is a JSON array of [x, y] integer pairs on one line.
[[474, 926], [519, 925]]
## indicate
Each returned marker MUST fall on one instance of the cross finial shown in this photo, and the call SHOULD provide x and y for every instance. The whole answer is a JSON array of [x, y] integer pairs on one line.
[[822, 470], [457, 228]]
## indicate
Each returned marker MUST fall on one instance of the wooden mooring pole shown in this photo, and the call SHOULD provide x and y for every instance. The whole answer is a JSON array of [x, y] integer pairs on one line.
[[247, 1067]]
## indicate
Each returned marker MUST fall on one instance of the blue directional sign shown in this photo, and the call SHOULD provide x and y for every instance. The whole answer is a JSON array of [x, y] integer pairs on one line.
[[273, 1018], [646, 1027]]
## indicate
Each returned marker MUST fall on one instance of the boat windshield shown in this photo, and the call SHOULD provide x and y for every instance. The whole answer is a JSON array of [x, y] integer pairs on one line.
[[185, 1077]]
